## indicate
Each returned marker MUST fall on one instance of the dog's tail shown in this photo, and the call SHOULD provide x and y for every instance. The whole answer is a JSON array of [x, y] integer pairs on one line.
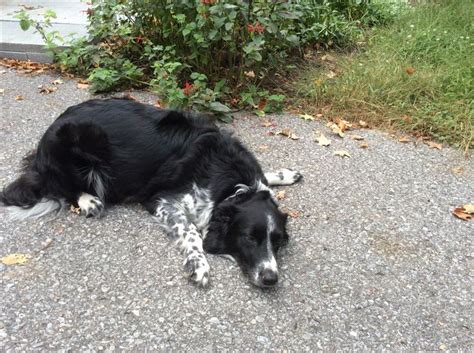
[[25, 197]]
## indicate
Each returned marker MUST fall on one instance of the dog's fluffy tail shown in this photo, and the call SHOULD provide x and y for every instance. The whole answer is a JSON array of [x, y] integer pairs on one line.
[[24, 198]]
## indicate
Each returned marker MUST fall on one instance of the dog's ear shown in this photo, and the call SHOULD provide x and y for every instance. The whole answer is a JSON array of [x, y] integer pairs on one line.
[[216, 238]]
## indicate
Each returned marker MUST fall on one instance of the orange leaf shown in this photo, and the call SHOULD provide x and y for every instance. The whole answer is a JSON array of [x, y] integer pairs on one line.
[[19, 98], [280, 195], [364, 145], [404, 139], [410, 71], [432, 144], [357, 137], [288, 133], [462, 213]]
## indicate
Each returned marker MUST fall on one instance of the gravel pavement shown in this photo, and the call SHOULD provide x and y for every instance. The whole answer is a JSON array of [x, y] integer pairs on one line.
[[376, 260]]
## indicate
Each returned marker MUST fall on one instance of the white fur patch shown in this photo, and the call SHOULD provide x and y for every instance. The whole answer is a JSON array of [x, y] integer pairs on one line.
[[42, 208], [283, 177], [90, 205]]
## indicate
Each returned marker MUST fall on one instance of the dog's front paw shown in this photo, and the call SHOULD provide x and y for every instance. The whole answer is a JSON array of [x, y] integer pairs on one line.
[[289, 176], [90, 205], [198, 269]]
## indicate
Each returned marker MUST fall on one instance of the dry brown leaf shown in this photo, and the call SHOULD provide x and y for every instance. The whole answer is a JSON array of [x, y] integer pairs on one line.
[[410, 71], [357, 137], [364, 145], [322, 140], [268, 123], [76, 210], [343, 124], [19, 98], [157, 104], [362, 123], [342, 153], [263, 148], [292, 214], [404, 139], [432, 144], [280, 195], [288, 133], [15, 259], [335, 129], [57, 82], [458, 170], [45, 89], [462, 212]]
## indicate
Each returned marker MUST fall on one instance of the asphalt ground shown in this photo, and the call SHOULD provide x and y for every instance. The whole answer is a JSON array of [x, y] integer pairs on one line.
[[376, 259]]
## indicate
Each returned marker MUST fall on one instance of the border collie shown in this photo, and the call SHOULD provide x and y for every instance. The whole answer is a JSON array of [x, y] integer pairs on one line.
[[205, 189]]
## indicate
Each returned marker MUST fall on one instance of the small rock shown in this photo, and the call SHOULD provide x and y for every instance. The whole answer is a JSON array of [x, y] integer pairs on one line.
[[262, 339], [214, 320]]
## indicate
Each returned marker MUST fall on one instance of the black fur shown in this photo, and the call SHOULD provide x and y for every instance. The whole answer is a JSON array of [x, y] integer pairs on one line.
[[143, 154]]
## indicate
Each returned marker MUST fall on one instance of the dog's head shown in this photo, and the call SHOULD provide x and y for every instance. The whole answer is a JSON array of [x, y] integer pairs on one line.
[[251, 229]]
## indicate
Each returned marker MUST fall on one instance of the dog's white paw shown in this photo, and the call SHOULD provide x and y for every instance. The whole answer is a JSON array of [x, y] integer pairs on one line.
[[90, 205], [288, 176], [198, 269]]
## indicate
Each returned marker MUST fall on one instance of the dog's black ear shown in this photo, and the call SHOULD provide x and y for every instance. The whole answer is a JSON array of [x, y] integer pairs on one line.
[[216, 238]]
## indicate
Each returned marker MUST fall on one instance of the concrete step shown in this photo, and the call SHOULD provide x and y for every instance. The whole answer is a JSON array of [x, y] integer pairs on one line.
[[27, 45]]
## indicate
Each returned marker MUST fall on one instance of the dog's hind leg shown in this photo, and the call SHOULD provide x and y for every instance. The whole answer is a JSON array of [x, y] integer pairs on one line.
[[90, 205], [283, 177], [186, 234]]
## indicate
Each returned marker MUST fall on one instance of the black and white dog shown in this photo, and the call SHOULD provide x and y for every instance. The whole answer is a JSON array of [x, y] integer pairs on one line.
[[202, 186]]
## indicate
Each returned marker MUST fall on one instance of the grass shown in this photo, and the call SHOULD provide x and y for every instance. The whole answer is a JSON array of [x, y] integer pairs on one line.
[[415, 75]]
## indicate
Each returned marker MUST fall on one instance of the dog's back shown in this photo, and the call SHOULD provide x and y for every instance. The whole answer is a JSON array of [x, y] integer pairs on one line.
[[117, 149]]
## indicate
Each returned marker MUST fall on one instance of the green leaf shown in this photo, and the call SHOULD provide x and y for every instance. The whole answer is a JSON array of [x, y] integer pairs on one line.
[[219, 107], [24, 24]]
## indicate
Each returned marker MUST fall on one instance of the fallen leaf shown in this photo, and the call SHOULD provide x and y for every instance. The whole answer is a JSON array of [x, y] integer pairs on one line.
[[280, 195], [157, 104], [343, 124], [410, 71], [335, 129], [57, 82], [322, 140], [469, 208], [406, 118], [268, 123], [364, 145], [76, 210], [26, 67], [262, 104], [458, 170], [432, 144], [292, 214], [331, 74], [362, 123], [83, 84], [357, 137], [342, 153], [404, 139], [15, 259], [307, 117], [328, 57], [19, 98], [463, 213], [263, 148], [45, 89], [129, 96], [288, 133], [250, 74]]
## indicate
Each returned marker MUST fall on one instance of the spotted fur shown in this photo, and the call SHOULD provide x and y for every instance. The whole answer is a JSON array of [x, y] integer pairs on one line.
[[202, 186]]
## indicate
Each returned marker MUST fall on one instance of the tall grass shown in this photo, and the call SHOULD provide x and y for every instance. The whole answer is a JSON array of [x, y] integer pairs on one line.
[[416, 74]]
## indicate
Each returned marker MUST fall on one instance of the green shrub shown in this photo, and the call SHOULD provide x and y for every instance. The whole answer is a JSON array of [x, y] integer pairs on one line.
[[200, 53]]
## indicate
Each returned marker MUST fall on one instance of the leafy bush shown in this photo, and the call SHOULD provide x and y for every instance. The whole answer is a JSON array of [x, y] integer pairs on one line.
[[200, 53]]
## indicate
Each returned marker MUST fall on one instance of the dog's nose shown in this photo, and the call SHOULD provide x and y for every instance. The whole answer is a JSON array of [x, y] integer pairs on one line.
[[268, 277]]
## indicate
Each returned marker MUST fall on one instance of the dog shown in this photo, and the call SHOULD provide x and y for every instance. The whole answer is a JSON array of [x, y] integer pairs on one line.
[[205, 189]]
